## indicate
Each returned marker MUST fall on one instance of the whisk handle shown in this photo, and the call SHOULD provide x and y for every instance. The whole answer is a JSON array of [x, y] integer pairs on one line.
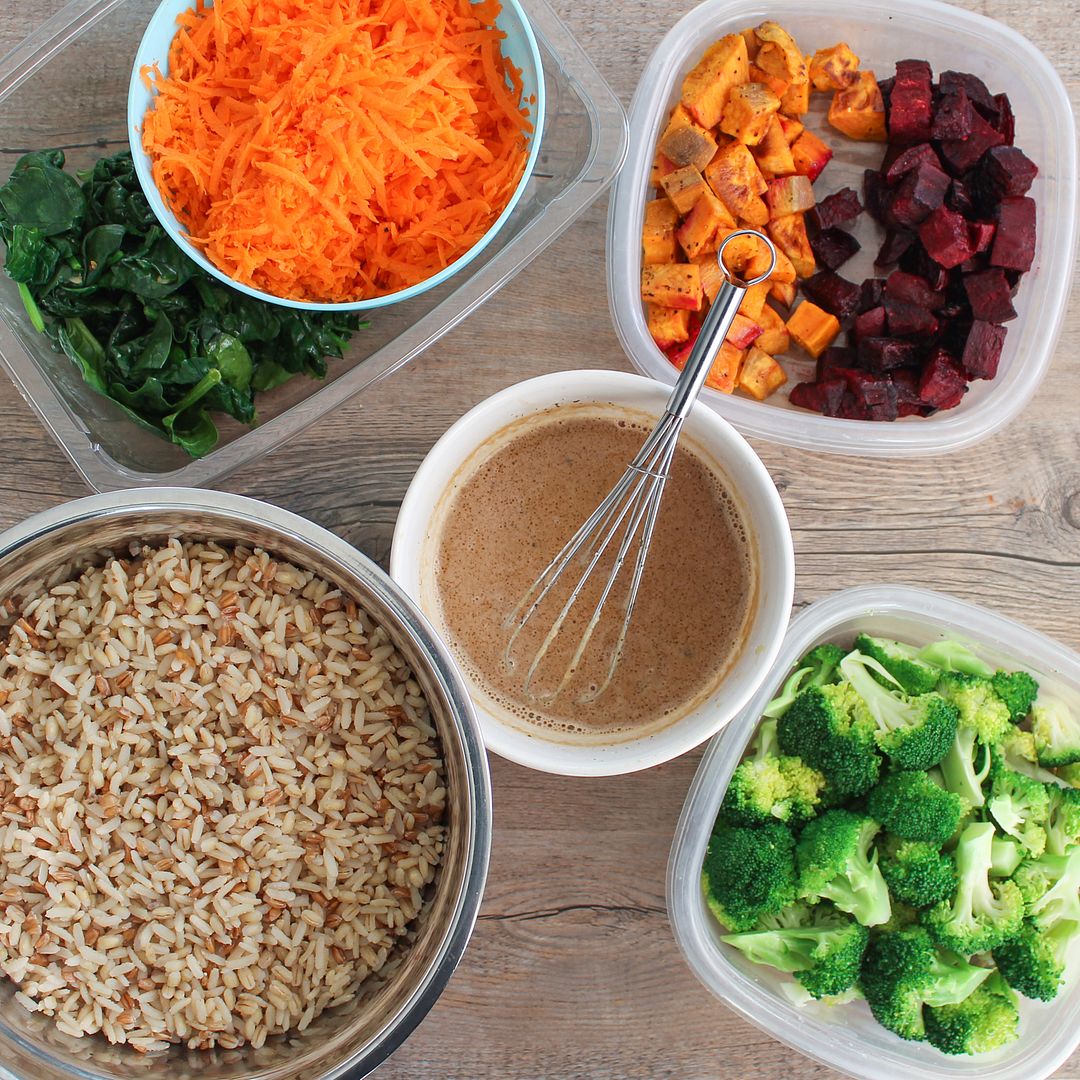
[[714, 329]]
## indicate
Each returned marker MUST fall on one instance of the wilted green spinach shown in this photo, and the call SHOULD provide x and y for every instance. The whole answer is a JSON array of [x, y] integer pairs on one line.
[[147, 327]]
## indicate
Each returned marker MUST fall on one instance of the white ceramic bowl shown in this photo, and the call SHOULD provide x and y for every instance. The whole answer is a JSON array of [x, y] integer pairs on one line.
[[411, 564]]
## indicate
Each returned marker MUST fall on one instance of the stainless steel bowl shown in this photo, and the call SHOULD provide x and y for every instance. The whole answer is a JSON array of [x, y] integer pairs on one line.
[[354, 1037]]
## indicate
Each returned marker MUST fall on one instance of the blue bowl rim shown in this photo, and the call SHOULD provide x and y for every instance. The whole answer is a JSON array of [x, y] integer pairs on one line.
[[136, 108]]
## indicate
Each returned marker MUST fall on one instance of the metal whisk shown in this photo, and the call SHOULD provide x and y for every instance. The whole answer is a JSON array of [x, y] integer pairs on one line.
[[632, 505]]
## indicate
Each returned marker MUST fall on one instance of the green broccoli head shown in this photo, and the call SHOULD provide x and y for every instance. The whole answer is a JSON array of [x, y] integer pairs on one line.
[[1005, 856], [915, 732], [1070, 774], [823, 953], [914, 675], [981, 913], [1050, 886], [1033, 961], [902, 972], [748, 872], [790, 690], [1062, 819], [1019, 804], [822, 660], [952, 656], [910, 805], [985, 1020], [1018, 690], [827, 727], [1019, 753], [1056, 732], [834, 862], [917, 873], [965, 767], [979, 706], [781, 788]]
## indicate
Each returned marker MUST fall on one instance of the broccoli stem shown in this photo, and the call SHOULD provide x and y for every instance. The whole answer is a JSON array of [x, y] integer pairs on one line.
[[958, 767]]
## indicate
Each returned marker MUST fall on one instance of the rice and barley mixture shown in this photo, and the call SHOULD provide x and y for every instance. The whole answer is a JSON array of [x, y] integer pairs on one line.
[[221, 798]]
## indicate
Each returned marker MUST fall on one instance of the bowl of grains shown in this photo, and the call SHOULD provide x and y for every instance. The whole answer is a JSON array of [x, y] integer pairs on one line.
[[245, 810]]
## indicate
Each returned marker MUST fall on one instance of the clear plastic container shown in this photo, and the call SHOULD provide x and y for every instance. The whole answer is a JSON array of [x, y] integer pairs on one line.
[[881, 32], [846, 1037], [42, 104]]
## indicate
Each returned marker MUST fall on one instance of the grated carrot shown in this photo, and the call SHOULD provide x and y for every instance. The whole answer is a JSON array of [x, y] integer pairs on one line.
[[335, 150]]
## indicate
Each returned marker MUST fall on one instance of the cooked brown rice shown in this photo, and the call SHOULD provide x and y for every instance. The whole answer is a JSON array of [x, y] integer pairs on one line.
[[220, 798]]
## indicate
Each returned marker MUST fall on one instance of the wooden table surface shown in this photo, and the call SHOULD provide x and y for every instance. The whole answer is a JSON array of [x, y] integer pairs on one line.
[[573, 972]]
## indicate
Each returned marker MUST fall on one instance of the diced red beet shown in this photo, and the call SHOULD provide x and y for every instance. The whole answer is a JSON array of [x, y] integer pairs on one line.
[[1013, 278], [952, 116], [960, 155], [913, 289], [886, 353], [909, 114], [1014, 241], [909, 160], [835, 360], [896, 242], [1005, 122], [886, 87], [942, 384], [874, 192], [822, 397], [921, 191], [972, 85], [841, 207], [989, 296], [869, 324], [874, 391], [946, 237], [833, 293], [871, 292], [916, 261], [851, 408], [1005, 171], [833, 247], [977, 262], [982, 350], [982, 234], [960, 198], [908, 401], [908, 320]]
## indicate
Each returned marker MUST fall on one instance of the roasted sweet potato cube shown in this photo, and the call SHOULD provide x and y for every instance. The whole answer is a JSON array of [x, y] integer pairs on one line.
[[777, 85], [706, 216], [784, 270], [749, 35], [688, 144], [792, 128], [724, 370], [668, 326], [834, 68], [753, 301], [743, 331], [812, 328], [773, 154], [712, 277], [660, 168], [774, 335], [658, 246], [661, 214], [778, 54], [783, 292], [795, 100], [679, 118], [705, 90], [789, 234], [858, 110], [760, 374], [676, 285], [684, 187], [737, 181], [811, 155], [748, 111], [789, 195], [743, 255]]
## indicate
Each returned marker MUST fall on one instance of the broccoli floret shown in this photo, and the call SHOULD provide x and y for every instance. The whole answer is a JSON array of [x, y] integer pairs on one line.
[[1056, 732], [902, 972], [985, 1020], [980, 708], [1018, 690], [822, 660], [749, 872], [902, 662], [1070, 774], [790, 690], [982, 913], [1018, 752], [952, 656], [834, 862], [1051, 889], [965, 766], [1062, 819], [774, 788], [1019, 804], [910, 805], [1005, 856], [916, 872], [916, 732], [824, 953], [1033, 961], [828, 728]]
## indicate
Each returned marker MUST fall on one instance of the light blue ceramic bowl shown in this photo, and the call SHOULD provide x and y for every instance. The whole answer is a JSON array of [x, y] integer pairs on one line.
[[519, 45]]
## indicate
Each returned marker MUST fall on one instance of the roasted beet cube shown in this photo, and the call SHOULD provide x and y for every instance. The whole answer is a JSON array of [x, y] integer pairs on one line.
[[851, 408], [1014, 240], [824, 397], [835, 360], [896, 242], [1005, 124], [942, 383], [886, 87], [833, 293], [989, 295], [960, 155], [908, 320], [913, 289], [909, 160], [916, 261], [886, 353], [910, 113], [869, 324], [952, 117], [833, 247], [946, 237], [875, 392], [874, 192], [982, 350], [960, 198], [982, 234], [839, 208], [921, 191], [972, 85], [908, 401], [1005, 171], [871, 292]]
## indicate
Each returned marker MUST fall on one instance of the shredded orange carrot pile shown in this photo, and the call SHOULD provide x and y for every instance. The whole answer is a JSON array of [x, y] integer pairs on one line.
[[335, 150]]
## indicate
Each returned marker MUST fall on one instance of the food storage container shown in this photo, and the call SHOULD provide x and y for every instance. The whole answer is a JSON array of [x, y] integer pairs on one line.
[[880, 33], [354, 1037], [846, 1037], [66, 85]]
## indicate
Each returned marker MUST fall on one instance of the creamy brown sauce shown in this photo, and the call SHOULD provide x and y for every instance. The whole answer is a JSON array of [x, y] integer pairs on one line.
[[516, 502]]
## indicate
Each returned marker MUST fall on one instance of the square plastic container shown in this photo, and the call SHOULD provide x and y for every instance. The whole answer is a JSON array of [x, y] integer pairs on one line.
[[846, 1037], [43, 103], [880, 32]]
